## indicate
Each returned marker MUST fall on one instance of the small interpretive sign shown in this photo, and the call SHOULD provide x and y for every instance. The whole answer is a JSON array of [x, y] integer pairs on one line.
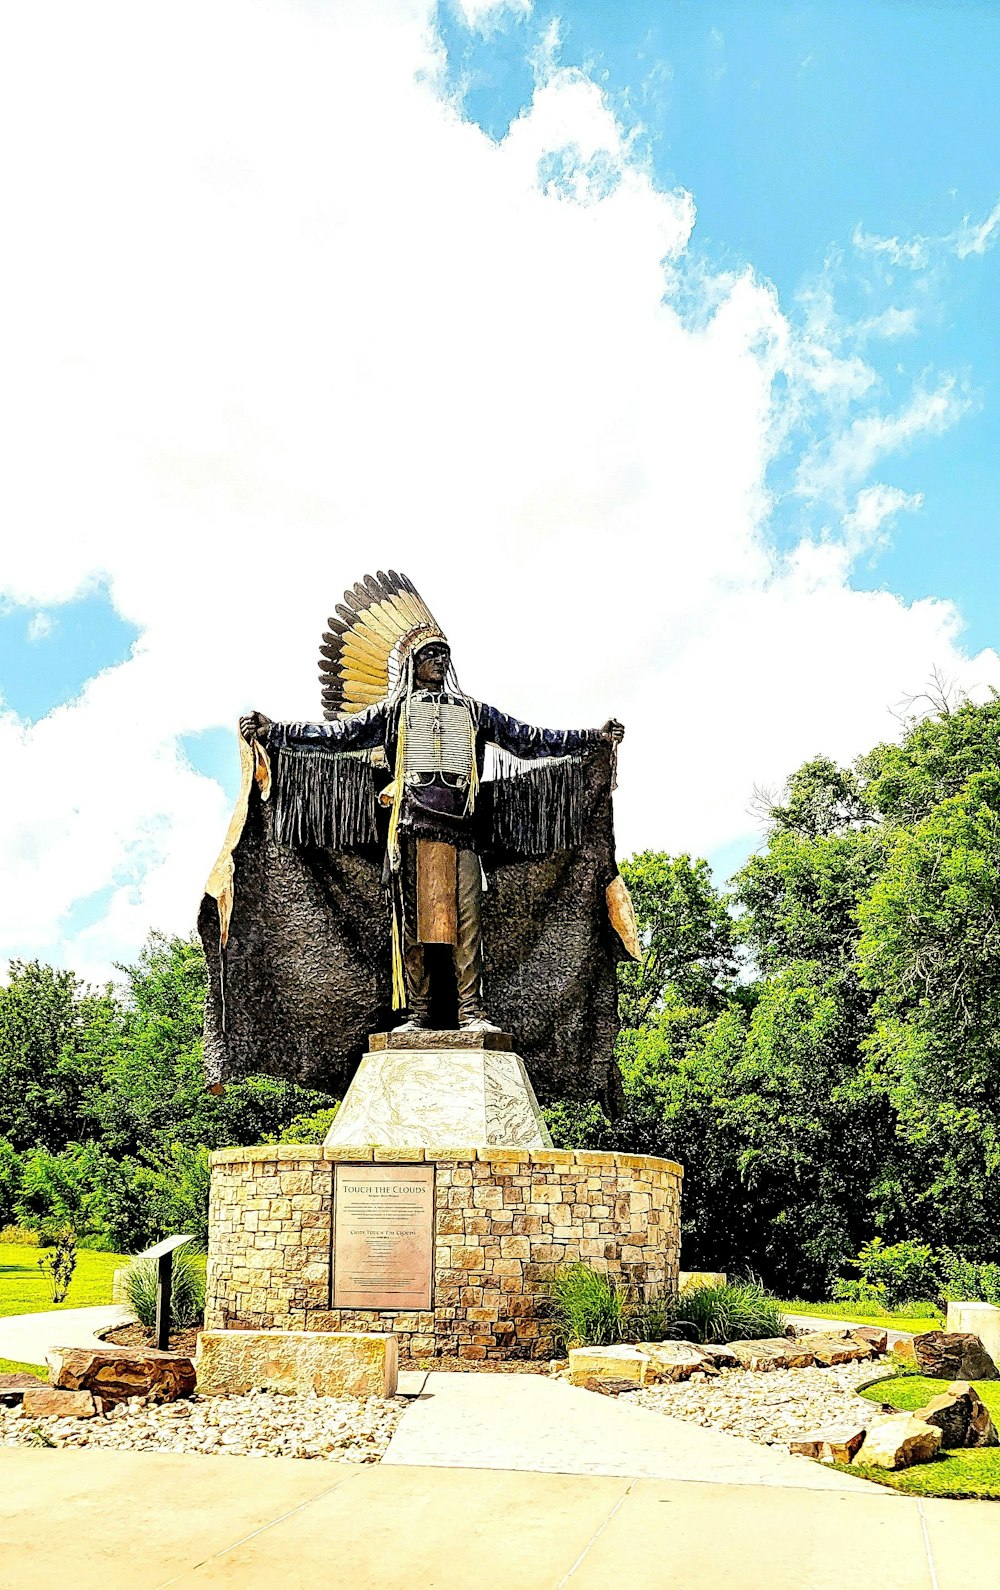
[[383, 1236]]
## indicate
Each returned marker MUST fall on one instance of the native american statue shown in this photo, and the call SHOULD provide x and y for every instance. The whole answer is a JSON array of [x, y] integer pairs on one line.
[[386, 822]]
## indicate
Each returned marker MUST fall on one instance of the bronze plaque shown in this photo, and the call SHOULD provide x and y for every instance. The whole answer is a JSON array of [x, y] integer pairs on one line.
[[383, 1236]]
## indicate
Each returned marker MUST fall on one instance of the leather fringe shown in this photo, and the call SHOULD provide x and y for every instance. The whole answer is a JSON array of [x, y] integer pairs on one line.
[[538, 810], [323, 798]]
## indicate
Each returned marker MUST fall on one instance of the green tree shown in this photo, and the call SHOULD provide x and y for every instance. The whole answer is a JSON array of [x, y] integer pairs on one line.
[[686, 933]]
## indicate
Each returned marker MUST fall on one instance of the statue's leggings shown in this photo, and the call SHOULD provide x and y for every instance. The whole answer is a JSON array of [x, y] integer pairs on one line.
[[467, 952]]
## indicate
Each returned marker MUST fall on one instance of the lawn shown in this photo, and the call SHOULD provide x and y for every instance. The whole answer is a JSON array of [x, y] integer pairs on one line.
[[10, 1366], [850, 1311], [25, 1289], [961, 1473]]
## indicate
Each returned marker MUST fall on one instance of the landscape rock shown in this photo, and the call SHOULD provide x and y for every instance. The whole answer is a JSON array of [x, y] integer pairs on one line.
[[834, 1444], [773, 1352], [330, 1363], [622, 1363], [48, 1402], [961, 1416], [676, 1360], [949, 1355], [899, 1442], [828, 1347], [721, 1355], [606, 1387], [117, 1373], [877, 1338], [773, 1407], [13, 1387]]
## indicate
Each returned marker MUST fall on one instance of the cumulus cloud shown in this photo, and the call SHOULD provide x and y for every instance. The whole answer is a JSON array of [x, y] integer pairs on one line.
[[278, 315]]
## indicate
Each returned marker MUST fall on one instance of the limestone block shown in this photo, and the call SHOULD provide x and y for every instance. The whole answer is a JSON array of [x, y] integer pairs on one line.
[[333, 1364], [13, 1387], [50, 1403], [721, 1355], [827, 1348], [609, 1363], [979, 1319], [833, 1444], [773, 1352], [676, 1360], [899, 1442], [117, 1373]]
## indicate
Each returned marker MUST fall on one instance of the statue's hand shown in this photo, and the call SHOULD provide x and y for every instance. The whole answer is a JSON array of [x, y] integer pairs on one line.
[[613, 731], [253, 725]]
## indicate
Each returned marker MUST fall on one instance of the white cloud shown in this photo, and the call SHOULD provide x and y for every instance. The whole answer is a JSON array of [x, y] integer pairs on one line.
[[485, 15], [917, 252], [280, 315], [832, 467], [976, 237], [40, 625]]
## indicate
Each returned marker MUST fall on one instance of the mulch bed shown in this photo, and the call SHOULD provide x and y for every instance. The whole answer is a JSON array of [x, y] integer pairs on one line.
[[143, 1336], [480, 1366]]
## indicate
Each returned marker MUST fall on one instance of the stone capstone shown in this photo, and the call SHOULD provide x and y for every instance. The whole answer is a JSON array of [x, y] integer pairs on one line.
[[899, 1442], [48, 1402], [948, 1355], [624, 1363], [834, 1444], [328, 1363], [961, 1416], [117, 1373], [773, 1352], [442, 1097], [13, 1387]]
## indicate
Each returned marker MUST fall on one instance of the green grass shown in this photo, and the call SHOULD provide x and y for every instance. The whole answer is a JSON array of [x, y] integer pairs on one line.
[[961, 1473], [10, 1366], [25, 1289], [862, 1316]]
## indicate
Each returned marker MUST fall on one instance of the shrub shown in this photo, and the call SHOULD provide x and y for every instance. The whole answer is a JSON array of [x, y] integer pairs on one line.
[[963, 1279], [19, 1236], [589, 1308], [736, 1311], [187, 1291], [60, 1263], [863, 1293], [903, 1271]]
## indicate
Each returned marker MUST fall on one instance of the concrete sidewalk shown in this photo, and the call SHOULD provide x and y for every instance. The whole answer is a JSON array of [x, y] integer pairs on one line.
[[544, 1426], [27, 1337], [812, 1322], [105, 1520]]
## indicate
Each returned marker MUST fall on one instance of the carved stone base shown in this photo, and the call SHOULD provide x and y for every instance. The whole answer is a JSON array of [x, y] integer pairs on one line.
[[443, 1094]]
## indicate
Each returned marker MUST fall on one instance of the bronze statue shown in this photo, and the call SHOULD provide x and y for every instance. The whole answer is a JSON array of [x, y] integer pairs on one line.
[[390, 693]]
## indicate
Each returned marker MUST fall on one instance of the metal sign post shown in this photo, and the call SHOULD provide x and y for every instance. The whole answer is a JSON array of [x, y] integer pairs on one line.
[[163, 1252]]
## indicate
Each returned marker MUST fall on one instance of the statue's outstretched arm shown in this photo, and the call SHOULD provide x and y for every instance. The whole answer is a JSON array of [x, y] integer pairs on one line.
[[526, 741], [360, 732]]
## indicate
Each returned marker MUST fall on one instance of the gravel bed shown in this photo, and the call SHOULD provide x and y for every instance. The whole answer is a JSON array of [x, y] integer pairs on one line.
[[260, 1424], [769, 1406]]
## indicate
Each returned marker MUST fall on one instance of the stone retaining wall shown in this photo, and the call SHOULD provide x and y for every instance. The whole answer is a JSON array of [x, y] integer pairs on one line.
[[504, 1220]]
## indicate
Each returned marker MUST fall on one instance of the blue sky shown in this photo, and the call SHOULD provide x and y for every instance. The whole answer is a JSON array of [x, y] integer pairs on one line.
[[663, 335]]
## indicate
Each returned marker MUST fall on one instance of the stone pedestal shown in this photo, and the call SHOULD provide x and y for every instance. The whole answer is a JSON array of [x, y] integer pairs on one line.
[[440, 1090]]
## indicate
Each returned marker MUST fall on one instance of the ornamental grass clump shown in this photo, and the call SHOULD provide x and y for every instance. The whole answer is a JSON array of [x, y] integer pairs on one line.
[[736, 1311], [589, 1309], [187, 1291]]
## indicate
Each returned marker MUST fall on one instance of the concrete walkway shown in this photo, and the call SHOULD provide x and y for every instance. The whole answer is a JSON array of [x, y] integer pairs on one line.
[[810, 1322], [543, 1426], [27, 1337], [107, 1520]]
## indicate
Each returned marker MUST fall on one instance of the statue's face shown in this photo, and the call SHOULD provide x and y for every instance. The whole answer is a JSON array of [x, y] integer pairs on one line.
[[430, 665]]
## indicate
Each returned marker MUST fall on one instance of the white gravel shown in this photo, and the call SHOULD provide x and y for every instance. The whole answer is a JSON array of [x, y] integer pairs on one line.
[[770, 1407], [260, 1424]]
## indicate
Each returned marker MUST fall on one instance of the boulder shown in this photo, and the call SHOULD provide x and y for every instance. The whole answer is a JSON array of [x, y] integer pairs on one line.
[[48, 1402], [828, 1347], [117, 1373], [961, 1416], [13, 1387], [721, 1355], [899, 1442], [953, 1355], [329, 1363], [606, 1387], [876, 1338], [623, 1363], [676, 1360], [835, 1443], [773, 1352]]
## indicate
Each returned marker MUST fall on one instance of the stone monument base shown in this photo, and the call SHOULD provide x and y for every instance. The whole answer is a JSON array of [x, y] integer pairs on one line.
[[440, 1090], [503, 1221]]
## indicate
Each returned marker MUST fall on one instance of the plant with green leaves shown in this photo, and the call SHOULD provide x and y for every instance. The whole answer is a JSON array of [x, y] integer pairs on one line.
[[891, 1274], [588, 1307], [968, 1281], [729, 1312], [187, 1291], [60, 1263]]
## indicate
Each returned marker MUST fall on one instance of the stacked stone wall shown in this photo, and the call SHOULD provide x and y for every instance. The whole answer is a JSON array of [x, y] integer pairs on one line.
[[504, 1220]]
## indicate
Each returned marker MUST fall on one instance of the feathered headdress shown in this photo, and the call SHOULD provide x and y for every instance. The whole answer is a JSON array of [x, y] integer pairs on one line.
[[366, 648]]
